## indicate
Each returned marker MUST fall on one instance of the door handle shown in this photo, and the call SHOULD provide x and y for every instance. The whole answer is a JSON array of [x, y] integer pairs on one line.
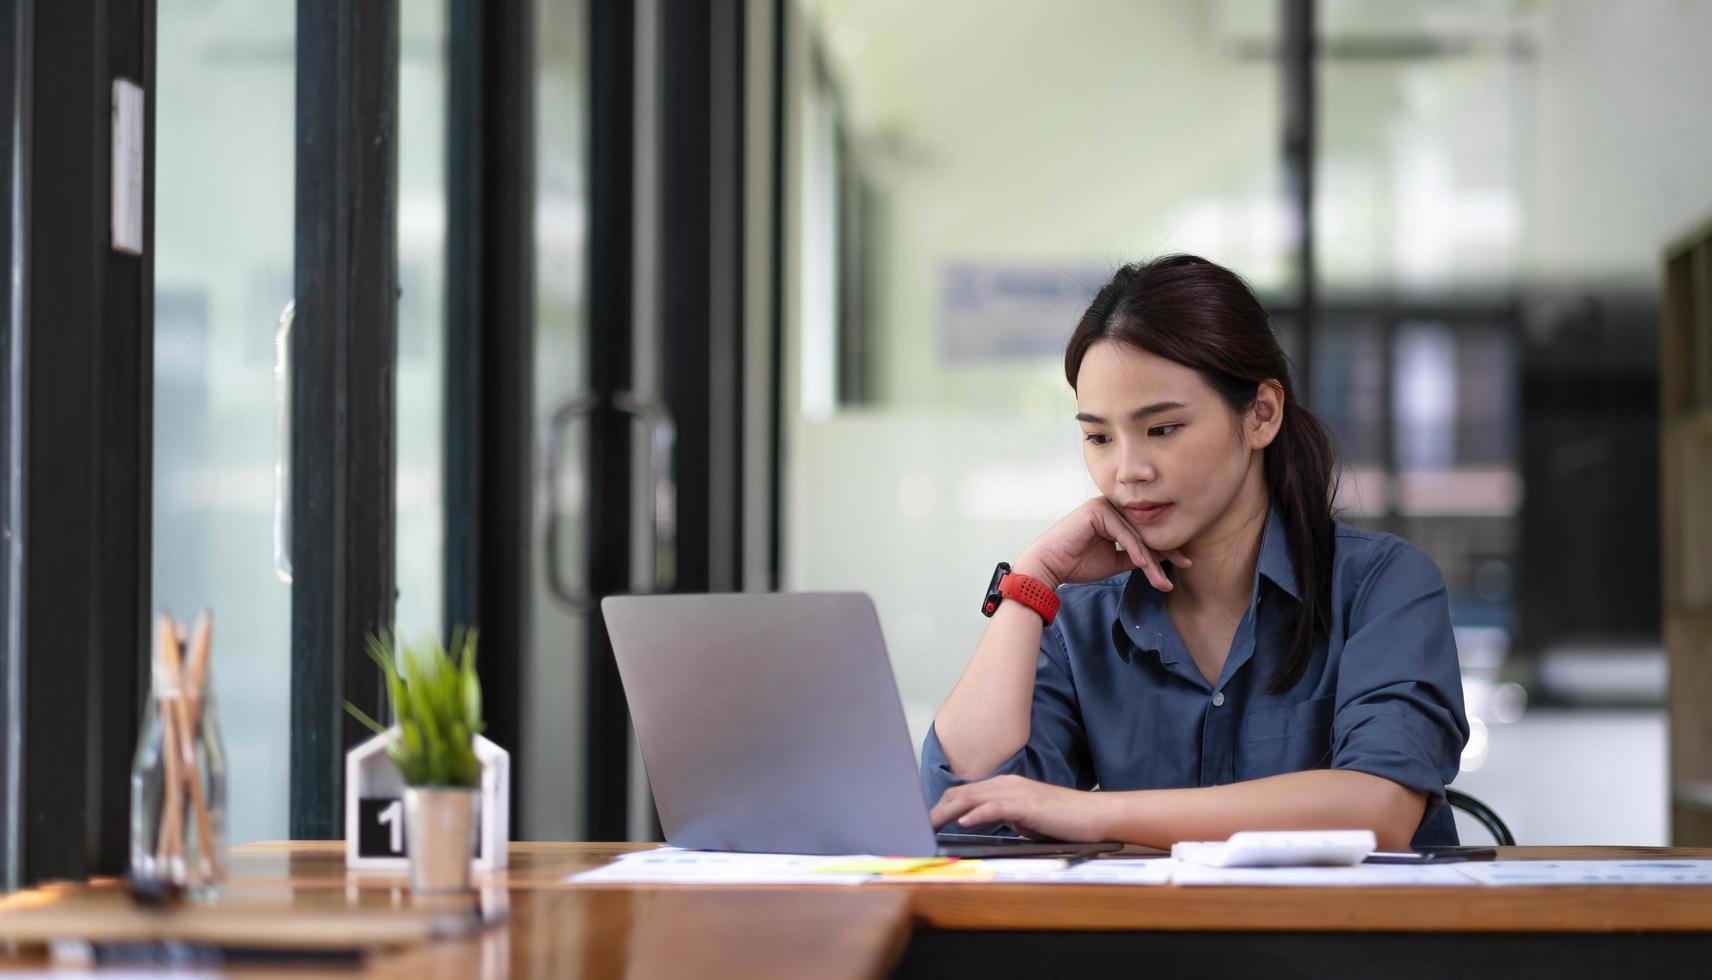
[[282, 439], [579, 407], [662, 487], [662, 493]]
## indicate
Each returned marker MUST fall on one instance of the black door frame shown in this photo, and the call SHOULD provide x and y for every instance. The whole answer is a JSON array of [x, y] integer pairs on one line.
[[611, 337], [344, 348], [490, 354], [76, 436], [672, 246]]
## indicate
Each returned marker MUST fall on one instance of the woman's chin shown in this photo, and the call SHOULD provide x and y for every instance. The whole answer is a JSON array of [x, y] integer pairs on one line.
[[1161, 541]]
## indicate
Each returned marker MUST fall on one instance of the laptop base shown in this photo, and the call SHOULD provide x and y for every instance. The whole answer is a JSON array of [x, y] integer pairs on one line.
[[992, 846]]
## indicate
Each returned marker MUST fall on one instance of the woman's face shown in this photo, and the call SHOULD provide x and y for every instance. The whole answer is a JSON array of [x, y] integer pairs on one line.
[[1155, 433]]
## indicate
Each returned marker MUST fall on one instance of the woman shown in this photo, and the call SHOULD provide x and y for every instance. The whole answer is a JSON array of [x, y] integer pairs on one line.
[[1245, 661]]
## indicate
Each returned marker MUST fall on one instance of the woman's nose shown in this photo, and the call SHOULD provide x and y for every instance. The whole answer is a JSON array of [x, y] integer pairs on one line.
[[1136, 469]]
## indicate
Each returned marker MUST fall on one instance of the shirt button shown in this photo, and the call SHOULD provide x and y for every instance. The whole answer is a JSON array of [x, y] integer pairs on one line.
[[1218, 699]]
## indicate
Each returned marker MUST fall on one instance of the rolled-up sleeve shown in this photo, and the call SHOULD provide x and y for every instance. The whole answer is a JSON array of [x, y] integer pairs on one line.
[[1057, 747], [1399, 710]]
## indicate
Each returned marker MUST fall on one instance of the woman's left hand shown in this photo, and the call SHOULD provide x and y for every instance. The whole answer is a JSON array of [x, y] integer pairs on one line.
[[1031, 807]]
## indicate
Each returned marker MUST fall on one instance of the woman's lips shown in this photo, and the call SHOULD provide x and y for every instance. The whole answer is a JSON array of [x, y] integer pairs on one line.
[[1147, 515]]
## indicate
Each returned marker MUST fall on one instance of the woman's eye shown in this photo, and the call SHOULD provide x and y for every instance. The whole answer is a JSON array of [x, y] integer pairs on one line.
[[1163, 430], [1097, 438]]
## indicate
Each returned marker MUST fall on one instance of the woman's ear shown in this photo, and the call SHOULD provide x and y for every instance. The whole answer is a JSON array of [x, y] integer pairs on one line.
[[1263, 421]]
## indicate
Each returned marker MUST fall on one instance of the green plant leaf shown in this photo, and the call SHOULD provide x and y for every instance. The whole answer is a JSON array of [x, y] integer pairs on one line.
[[435, 696], [467, 653], [420, 698], [472, 702], [415, 752], [436, 763], [380, 651], [445, 676], [369, 723], [460, 637], [409, 766]]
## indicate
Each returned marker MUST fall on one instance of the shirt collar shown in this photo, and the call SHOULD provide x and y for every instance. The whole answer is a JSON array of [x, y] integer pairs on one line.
[[1275, 562], [1141, 601]]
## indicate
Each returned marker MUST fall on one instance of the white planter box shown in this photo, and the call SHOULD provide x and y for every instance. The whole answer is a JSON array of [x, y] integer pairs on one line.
[[374, 807]]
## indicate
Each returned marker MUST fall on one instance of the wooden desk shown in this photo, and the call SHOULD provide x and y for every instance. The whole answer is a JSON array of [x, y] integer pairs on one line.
[[560, 929]]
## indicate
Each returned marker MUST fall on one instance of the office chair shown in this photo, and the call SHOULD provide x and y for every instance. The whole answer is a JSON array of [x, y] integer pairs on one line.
[[1486, 816]]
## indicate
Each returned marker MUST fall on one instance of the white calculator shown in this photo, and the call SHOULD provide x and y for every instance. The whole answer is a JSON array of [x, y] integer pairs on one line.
[[1280, 848]]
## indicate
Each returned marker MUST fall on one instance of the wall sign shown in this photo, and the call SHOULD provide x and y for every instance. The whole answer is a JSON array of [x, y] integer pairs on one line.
[[1001, 311]]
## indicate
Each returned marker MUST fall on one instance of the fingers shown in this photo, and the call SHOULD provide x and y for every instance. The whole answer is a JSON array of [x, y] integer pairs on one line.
[[1113, 525], [1122, 531], [956, 802], [960, 804], [991, 812]]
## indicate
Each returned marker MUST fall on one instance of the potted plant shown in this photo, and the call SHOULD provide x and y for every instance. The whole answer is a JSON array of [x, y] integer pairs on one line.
[[436, 703]]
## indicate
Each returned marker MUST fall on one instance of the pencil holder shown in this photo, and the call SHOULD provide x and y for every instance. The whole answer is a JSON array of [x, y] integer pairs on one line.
[[178, 778]]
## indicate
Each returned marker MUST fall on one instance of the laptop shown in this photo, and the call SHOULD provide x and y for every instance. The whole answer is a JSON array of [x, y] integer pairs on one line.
[[772, 723]]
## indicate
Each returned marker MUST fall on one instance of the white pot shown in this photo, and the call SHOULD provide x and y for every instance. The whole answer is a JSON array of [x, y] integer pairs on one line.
[[439, 835]]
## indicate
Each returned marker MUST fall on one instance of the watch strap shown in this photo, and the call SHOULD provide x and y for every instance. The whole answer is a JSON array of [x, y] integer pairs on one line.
[[1031, 592]]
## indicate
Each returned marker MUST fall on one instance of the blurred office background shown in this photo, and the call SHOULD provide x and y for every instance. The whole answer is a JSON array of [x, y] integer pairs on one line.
[[771, 294], [1494, 187]]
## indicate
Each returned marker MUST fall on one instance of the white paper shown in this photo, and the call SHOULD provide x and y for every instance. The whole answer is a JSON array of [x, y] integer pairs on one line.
[[1184, 873], [1099, 871], [1655, 872], [673, 865], [1024, 869]]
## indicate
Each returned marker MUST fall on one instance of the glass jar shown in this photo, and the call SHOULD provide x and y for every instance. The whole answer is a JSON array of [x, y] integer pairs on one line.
[[178, 783]]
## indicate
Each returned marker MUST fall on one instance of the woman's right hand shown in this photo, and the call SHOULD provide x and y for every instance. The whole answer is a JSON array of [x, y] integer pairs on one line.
[[1079, 548]]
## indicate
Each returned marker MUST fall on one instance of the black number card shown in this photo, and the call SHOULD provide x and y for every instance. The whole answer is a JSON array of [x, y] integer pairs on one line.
[[380, 827]]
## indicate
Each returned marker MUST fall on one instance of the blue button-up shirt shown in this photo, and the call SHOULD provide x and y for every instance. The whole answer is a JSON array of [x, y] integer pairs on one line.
[[1120, 705]]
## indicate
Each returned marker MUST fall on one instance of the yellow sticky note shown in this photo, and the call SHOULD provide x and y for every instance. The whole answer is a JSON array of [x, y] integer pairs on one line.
[[954, 871], [883, 866]]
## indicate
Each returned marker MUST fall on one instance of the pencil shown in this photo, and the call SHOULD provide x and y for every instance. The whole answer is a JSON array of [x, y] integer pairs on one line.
[[167, 638], [196, 675], [201, 645], [189, 769]]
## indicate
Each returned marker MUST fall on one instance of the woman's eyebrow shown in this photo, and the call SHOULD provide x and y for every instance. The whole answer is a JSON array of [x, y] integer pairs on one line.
[[1135, 416]]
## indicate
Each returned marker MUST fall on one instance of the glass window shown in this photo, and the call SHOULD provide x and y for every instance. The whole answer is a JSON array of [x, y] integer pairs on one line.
[[224, 171], [420, 512], [553, 723]]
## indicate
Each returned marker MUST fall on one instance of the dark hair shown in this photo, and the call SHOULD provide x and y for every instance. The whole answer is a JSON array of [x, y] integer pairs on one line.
[[1201, 315]]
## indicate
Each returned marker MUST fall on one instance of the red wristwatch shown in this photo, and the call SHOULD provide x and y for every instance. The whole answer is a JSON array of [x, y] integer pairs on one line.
[[1031, 592]]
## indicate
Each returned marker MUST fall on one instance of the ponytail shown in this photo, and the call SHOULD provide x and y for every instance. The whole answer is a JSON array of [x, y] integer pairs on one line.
[[1299, 465]]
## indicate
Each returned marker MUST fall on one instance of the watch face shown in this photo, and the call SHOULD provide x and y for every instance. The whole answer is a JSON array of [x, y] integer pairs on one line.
[[990, 602]]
